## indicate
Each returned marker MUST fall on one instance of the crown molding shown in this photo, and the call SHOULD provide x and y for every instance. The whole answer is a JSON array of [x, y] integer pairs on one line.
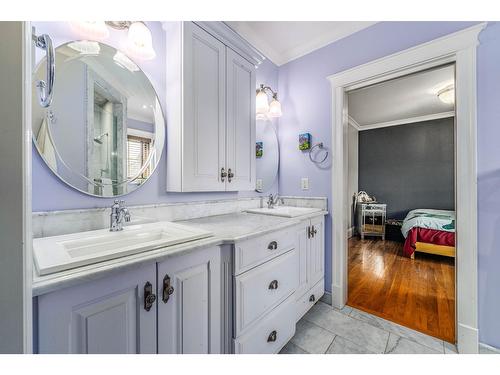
[[403, 121]]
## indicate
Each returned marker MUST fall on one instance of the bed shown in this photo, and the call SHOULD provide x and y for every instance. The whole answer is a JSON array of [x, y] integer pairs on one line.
[[429, 231]]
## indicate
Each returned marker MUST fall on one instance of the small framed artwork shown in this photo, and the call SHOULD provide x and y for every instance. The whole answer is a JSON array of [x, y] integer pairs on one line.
[[304, 141], [259, 149]]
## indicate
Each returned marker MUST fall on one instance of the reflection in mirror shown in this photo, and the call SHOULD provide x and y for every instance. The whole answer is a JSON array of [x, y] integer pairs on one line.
[[104, 131], [267, 154]]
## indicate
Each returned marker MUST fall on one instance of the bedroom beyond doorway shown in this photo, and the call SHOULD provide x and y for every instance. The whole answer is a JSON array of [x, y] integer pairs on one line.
[[401, 194]]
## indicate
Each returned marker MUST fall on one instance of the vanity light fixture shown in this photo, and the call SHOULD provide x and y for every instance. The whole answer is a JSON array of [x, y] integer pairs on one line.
[[264, 109], [447, 95], [139, 40]]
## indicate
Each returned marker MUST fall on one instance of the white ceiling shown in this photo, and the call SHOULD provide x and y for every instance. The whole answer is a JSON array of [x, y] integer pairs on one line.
[[403, 100], [283, 41]]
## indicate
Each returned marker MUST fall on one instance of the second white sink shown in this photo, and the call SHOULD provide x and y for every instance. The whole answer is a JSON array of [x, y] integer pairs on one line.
[[284, 211], [58, 253]]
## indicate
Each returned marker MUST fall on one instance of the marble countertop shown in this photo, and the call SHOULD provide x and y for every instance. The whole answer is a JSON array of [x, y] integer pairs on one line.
[[227, 229]]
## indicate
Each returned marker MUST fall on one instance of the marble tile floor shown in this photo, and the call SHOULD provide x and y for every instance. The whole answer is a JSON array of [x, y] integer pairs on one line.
[[350, 331]]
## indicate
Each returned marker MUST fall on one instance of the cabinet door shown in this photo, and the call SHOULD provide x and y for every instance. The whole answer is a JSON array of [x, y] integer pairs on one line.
[[240, 122], [106, 316], [189, 321], [316, 253], [302, 243], [203, 110]]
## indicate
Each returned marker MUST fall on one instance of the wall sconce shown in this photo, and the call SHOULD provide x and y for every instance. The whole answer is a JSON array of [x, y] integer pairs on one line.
[[139, 42], [264, 109]]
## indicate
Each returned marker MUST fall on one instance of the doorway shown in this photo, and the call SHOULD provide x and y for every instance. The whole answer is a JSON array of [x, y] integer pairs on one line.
[[401, 247], [458, 48]]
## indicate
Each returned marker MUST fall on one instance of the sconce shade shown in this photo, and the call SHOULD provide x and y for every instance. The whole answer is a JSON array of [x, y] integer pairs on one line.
[[95, 30], [261, 105], [275, 108], [140, 41]]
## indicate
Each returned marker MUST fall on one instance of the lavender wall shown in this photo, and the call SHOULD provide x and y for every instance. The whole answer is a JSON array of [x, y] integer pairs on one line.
[[305, 97], [50, 193]]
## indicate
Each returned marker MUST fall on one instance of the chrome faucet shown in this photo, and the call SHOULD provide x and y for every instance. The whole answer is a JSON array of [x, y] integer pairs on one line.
[[272, 200], [118, 213]]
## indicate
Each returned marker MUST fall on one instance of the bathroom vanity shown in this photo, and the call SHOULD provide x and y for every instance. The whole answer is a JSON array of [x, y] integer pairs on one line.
[[239, 291]]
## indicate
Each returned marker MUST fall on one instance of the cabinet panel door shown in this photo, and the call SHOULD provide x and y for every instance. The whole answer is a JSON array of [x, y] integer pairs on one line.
[[316, 253], [204, 110], [190, 321], [105, 316], [240, 122], [302, 242]]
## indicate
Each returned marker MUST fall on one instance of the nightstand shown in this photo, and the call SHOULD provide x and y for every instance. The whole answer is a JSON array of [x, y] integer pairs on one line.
[[371, 219]]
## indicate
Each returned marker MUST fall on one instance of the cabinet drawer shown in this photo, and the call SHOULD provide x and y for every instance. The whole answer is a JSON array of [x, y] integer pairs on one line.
[[262, 288], [251, 253], [271, 333], [306, 301]]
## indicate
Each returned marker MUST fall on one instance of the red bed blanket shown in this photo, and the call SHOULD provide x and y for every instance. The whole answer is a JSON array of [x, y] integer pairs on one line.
[[433, 236]]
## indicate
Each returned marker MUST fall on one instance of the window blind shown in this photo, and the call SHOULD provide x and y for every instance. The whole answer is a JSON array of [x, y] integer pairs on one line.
[[137, 154]]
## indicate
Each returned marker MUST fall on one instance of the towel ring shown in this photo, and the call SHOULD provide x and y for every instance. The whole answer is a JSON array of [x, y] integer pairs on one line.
[[321, 147]]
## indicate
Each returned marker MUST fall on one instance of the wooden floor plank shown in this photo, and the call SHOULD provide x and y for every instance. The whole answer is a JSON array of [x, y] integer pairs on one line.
[[419, 293]]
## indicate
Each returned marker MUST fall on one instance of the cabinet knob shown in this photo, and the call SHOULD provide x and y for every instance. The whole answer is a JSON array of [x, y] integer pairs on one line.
[[149, 296], [273, 245], [272, 336], [312, 298], [273, 285], [223, 174], [230, 175]]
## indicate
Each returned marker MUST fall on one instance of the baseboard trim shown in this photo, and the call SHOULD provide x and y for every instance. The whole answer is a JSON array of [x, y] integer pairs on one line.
[[468, 339], [326, 298], [351, 232], [489, 348]]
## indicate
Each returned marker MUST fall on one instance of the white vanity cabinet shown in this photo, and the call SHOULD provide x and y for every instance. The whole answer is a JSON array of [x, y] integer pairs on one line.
[[265, 279], [310, 238], [210, 113], [189, 304], [115, 314], [102, 316]]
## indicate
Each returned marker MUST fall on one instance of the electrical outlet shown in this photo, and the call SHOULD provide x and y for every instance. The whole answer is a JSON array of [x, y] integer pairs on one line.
[[259, 184], [304, 183]]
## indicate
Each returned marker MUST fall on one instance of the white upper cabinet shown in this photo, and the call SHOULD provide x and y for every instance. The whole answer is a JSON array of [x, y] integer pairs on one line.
[[240, 122], [210, 113]]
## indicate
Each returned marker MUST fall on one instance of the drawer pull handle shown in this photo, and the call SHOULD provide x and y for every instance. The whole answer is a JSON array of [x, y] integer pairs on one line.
[[273, 245], [272, 336], [273, 284], [312, 298], [149, 296]]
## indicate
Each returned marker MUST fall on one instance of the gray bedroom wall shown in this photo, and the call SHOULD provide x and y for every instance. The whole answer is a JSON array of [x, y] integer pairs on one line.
[[409, 166]]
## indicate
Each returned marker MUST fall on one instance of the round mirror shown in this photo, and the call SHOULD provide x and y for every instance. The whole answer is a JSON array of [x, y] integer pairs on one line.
[[267, 154], [104, 132]]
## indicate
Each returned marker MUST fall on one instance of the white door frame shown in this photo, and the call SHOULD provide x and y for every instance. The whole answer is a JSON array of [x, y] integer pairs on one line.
[[460, 48]]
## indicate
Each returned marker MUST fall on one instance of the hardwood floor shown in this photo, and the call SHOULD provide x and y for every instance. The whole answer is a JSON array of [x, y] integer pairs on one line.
[[419, 293]]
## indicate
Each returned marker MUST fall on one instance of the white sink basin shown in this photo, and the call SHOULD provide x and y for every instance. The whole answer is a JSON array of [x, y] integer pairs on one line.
[[59, 253], [284, 211]]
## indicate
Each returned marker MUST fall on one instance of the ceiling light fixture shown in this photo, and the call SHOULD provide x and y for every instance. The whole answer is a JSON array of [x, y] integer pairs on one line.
[[85, 47], [447, 95], [263, 108]]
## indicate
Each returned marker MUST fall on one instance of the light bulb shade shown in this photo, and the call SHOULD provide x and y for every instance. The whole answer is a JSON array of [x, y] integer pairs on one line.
[[261, 105], [447, 95], [140, 42], [275, 108], [96, 30]]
